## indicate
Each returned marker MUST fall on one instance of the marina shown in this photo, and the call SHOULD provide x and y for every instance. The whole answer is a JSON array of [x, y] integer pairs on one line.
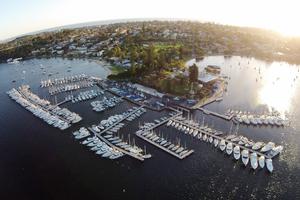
[[206, 165], [227, 142], [66, 84], [53, 115], [107, 129], [146, 132], [180, 155], [97, 145], [109, 125]]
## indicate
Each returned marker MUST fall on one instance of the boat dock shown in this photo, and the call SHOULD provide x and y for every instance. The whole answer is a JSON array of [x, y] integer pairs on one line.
[[99, 135], [164, 148], [119, 121], [208, 112], [163, 122], [140, 135], [221, 138], [62, 102], [136, 156]]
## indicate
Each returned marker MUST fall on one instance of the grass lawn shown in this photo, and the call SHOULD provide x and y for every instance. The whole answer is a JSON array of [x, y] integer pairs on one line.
[[116, 69]]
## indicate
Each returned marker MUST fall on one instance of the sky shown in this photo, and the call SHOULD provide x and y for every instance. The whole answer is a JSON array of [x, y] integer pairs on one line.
[[23, 16]]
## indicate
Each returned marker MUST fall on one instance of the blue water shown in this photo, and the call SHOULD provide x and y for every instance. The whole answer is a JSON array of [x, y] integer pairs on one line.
[[41, 162]]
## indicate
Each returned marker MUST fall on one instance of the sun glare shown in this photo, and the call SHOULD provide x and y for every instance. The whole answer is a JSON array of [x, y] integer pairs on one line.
[[279, 87]]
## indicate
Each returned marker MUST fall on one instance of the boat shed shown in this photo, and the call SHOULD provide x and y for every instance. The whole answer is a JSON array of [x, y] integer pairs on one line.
[[207, 78]]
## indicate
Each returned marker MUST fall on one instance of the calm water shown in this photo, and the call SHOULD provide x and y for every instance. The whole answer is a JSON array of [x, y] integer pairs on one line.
[[41, 162]]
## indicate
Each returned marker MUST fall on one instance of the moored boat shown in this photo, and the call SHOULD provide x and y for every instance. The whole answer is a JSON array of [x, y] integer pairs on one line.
[[269, 164], [253, 160], [236, 152], [245, 157]]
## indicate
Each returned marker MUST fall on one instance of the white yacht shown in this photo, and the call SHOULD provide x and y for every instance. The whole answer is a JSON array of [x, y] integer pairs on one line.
[[229, 148], [195, 133], [180, 127], [261, 161], [187, 130], [257, 145], [253, 160], [269, 164], [199, 136], [245, 157], [268, 147], [275, 151], [169, 123], [222, 145], [236, 152], [216, 142]]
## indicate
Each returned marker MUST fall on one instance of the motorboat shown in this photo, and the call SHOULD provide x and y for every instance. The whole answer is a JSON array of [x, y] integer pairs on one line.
[[229, 148], [245, 157], [222, 145], [199, 136], [257, 145], [236, 152], [261, 161], [211, 139], [269, 164], [275, 151], [253, 160], [268, 147], [216, 142], [195, 133]]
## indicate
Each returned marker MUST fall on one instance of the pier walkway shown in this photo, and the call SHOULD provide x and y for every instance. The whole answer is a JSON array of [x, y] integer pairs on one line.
[[119, 121], [134, 155], [165, 149], [208, 112], [140, 135]]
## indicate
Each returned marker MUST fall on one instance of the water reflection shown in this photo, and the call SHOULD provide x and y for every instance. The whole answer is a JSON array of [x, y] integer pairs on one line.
[[279, 83]]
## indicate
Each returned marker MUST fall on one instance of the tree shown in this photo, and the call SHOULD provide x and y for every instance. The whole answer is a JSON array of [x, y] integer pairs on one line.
[[193, 73]]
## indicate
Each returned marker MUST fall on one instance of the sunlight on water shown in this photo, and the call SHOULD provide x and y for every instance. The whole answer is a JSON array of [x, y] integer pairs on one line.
[[278, 87]]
